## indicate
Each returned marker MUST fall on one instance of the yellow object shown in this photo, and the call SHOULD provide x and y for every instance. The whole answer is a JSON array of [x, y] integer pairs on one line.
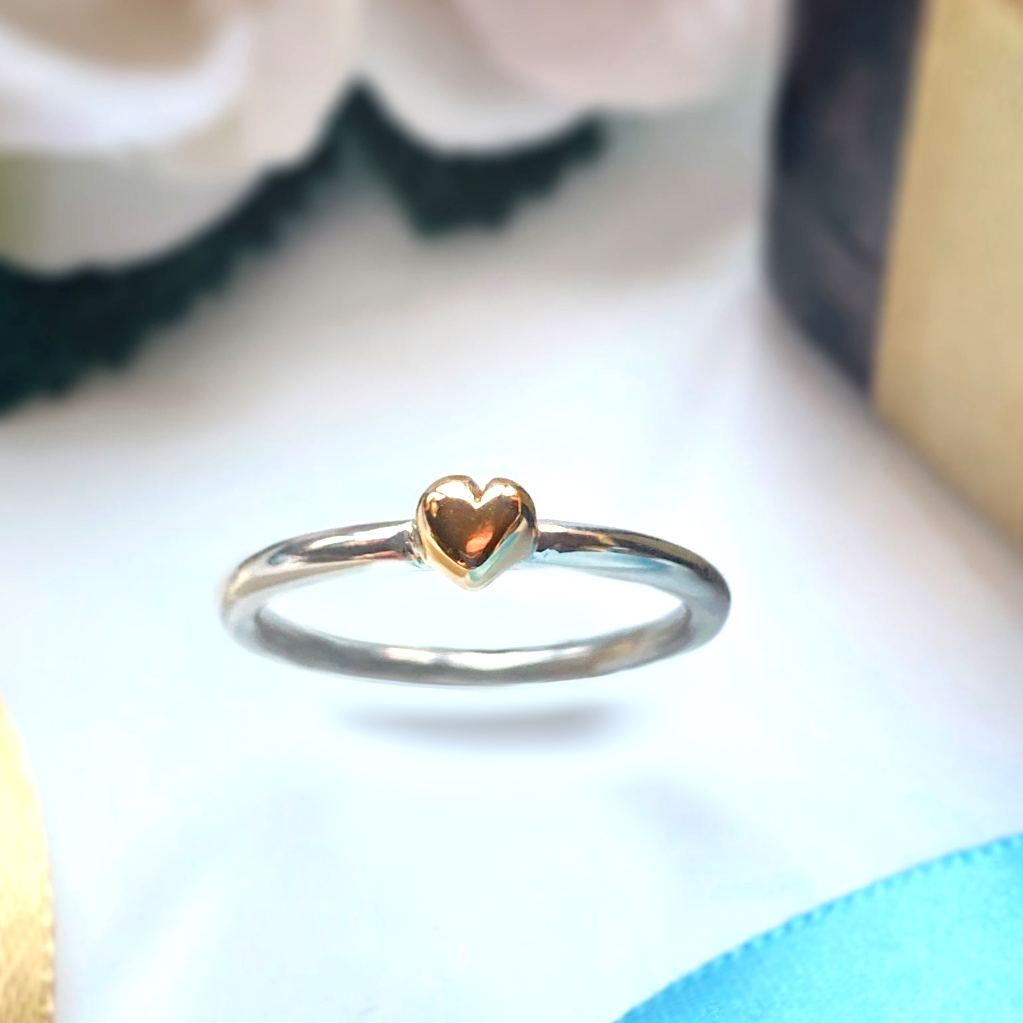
[[472, 535], [950, 357], [26, 922]]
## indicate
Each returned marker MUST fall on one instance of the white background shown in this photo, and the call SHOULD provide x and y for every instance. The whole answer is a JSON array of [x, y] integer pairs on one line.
[[236, 839]]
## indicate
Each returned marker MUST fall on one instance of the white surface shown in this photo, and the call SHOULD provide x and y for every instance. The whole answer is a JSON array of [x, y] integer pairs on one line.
[[234, 839]]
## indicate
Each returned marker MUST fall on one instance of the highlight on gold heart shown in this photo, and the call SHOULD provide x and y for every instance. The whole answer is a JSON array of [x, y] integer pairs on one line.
[[472, 535]]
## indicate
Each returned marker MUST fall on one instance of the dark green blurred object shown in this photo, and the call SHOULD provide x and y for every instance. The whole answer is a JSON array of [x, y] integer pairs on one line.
[[441, 193], [54, 329]]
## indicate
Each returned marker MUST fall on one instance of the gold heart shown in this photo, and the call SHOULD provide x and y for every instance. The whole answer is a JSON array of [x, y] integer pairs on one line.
[[473, 535]]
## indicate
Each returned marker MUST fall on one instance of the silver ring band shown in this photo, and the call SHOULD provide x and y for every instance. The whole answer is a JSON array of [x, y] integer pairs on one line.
[[701, 590]]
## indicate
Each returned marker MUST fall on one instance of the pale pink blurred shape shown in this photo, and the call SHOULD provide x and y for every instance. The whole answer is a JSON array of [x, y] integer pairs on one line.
[[199, 97], [125, 33], [615, 54], [303, 56], [425, 64], [126, 126], [221, 87], [54, 99]]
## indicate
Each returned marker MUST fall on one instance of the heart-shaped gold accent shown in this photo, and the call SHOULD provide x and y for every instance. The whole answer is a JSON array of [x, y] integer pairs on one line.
[[473, 535]]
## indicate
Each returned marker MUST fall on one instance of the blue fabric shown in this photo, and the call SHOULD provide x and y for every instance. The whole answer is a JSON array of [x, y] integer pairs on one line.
[[941, 943]]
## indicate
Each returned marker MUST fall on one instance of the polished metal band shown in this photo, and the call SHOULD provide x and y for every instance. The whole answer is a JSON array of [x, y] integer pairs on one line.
[[617, 554]]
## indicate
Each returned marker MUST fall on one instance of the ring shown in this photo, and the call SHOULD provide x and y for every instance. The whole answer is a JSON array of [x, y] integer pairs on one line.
[[472, 536]]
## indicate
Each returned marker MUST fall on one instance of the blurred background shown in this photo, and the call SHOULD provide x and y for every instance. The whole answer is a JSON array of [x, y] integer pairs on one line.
[[269, 267]]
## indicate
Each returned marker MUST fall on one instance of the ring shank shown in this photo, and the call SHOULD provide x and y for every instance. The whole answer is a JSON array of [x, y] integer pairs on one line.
[[632, 557]]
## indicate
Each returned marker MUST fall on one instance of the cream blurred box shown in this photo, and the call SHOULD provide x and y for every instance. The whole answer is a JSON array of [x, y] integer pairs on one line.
[[896, 222]]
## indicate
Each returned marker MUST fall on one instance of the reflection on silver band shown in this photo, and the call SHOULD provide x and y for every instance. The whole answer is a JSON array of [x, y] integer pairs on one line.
[[702, 593]]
